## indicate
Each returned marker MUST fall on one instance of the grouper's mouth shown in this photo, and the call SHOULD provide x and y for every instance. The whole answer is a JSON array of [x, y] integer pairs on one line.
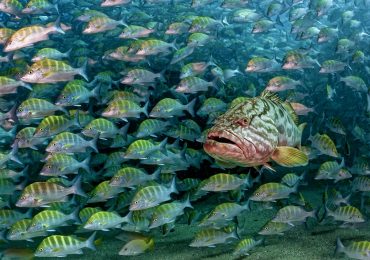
[[225, 146]]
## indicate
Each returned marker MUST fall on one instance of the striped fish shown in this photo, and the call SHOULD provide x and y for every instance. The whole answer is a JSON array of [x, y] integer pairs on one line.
[[51, 71], [104, 220], [5, 33], [245, 245], [290, 214], [103, 191], [18, 231], [47, 220], [168, 212], [223, 213], [256, 131], [223, 182], [67, 142], [355, 250], [42, 193], [348, 214], [61, 246], [105, 129], [272, 191], [36, 108], [10, 86], [130, 177], [53, 125], [61, 164], [152, 196], [39, 7], [8, 217], [211, 237], [29, 35]]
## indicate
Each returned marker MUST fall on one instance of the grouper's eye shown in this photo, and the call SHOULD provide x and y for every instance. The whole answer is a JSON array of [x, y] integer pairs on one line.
[[242, 122]]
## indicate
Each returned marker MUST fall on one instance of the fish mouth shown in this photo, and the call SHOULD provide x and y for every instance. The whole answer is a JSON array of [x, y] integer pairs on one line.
[[225, 146]]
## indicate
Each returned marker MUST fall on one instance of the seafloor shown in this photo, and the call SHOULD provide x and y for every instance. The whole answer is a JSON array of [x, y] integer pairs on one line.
[[314, 242]]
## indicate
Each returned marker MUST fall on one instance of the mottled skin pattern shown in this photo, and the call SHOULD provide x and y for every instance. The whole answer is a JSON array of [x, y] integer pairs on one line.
[[251, 131]]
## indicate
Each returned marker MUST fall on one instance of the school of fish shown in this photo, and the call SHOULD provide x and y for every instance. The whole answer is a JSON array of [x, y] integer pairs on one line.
[[132, 116]]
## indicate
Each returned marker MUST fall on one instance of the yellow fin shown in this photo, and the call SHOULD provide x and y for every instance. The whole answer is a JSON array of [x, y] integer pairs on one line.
[[289, 157], [151, 244]]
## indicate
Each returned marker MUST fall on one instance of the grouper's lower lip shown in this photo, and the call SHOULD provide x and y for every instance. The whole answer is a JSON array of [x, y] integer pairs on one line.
[[223, 145]]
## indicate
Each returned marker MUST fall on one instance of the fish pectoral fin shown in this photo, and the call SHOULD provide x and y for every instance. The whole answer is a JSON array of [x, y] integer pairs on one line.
[[289, 156], [56, 249], [268, 166]]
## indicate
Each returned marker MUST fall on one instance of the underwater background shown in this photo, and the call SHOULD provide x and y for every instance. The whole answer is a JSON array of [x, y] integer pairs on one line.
[[174, 129]]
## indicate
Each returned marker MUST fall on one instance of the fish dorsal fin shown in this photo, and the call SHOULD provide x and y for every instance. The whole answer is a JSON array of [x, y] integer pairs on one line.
[[271, 96], [288, 107]]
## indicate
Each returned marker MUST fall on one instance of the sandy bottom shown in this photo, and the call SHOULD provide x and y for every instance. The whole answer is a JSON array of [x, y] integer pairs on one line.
[[316, 242]]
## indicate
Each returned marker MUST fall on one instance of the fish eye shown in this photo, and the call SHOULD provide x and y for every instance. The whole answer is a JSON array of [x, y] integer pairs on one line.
[[30, 72], [54, 144], [155, 219], [136, 202], [41, 249], [49, 166], [64, 97]]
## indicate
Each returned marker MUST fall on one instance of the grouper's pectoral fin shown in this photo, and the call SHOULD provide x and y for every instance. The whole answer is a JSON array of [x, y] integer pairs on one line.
[[289, 157]]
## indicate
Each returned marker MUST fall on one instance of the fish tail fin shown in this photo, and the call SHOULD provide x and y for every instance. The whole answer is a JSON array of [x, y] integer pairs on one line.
[[187, 203], [56, 26], [94, 143], [123, 130], [12, 113], [76, 119], [85, 164], [190, 107], [68, 53], [76, 187], [13, 155], [28, 213], [145, 109], [156, 174], [74, 215], [56, 7], [339, 247], [173, 186], [162, 146], [90, 242], [82, 71]]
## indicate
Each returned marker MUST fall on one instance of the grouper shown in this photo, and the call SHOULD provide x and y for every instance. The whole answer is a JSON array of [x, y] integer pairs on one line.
[[256, 131]]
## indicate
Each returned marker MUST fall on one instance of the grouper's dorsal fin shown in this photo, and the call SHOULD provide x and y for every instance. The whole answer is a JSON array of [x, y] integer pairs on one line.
[[271, 96], [288, 107]]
